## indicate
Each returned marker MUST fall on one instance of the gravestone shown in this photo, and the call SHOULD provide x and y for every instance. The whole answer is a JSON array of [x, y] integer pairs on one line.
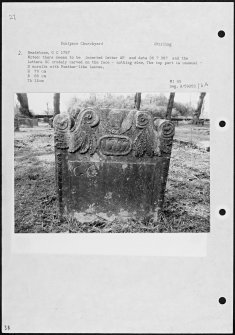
[[112, 162], [26, 122], [35, 122]]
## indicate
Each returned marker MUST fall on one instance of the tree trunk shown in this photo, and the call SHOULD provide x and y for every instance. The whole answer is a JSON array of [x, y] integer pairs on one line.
[[56, 104], [24, 105], [170, 106], [197, 113], [137, 100]]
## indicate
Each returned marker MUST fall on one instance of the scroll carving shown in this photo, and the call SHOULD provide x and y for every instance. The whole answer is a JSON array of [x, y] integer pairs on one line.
[[92, 130], [166, 131], [142, 119], [82, 136]]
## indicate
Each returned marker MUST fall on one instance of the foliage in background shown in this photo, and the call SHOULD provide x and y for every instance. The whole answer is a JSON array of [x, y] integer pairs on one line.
[[156, 104]]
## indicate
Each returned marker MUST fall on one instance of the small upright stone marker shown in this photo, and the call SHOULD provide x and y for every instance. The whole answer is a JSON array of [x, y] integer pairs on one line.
[[112, 162], [26, 122], [35, 122]]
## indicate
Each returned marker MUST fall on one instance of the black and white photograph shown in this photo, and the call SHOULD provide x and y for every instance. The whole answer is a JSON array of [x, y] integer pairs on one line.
[[117, 167], [112, 162]]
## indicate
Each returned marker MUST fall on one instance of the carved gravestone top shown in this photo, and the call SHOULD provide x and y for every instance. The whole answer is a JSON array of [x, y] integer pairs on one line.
[[117, 152], [114, 133]]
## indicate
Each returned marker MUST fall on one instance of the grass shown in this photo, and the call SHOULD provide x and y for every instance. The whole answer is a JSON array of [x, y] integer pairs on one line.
[[186, 206]]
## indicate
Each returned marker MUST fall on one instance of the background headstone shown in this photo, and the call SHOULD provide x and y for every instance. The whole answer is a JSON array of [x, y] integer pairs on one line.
[[26, 122], [35, 122]]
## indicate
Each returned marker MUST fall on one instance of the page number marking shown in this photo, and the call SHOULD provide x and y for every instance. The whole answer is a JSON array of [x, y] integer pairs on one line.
[[7, 327]]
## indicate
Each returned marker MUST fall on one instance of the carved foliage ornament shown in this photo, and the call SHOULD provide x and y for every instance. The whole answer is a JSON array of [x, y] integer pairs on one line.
[[82, 136], [147, 137], [144, 144], [144, 141], [76, 134]]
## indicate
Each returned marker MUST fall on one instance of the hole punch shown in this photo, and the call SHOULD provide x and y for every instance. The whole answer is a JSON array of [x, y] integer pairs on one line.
[[222, 124], [222, 211], [221, 33], [222, 300]]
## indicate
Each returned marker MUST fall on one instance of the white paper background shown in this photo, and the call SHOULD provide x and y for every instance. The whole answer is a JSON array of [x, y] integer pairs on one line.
[[49, 283]]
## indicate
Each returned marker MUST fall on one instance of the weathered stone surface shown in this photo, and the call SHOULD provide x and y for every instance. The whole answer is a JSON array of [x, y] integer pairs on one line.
[[112, 162]]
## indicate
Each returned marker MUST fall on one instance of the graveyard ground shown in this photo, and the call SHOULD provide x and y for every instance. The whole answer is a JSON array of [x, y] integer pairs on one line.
[[186, 207]]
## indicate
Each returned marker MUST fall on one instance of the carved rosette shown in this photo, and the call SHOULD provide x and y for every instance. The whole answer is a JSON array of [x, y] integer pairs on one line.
[[166, 131], [142, 119]]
